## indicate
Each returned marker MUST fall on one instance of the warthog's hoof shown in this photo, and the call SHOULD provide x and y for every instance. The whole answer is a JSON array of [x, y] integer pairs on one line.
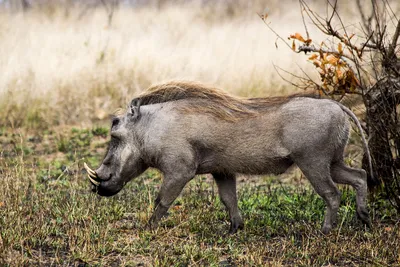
[[326, 229], [235, 226], [151, 225], [363, 215]]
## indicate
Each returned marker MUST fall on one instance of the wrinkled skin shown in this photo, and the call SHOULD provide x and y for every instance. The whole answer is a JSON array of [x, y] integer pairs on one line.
[[122, 161], [307, 132]]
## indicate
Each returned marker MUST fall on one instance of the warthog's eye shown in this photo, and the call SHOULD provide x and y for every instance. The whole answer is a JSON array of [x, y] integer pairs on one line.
[[115, 122]]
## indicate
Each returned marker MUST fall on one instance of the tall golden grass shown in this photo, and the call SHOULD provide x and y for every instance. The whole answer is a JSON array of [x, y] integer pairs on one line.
[[67, 68]]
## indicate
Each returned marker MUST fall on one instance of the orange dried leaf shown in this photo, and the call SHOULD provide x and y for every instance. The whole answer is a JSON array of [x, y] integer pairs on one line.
[[321, 55], [308, 41], [264, 14], [322, 65], [177, 207], [317, 63], [356, 81], [341, 64], [297, 36], [339, 74], [313, 56], [293, 46], [331, 59], [324, 55], [340, 48], [353, 78]]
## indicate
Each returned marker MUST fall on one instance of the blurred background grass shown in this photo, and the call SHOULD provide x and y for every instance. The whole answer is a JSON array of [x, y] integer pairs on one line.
[[66, 63]]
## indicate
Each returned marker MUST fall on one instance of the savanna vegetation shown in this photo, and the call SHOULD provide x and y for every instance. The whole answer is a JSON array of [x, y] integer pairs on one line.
[[67, 65]]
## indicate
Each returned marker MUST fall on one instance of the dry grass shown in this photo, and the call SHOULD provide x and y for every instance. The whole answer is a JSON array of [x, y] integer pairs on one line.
[[61, 69], [49, 217], [63, 65]]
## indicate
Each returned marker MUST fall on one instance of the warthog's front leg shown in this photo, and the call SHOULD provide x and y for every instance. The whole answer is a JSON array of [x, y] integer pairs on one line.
[[170, 189], [227, 192]]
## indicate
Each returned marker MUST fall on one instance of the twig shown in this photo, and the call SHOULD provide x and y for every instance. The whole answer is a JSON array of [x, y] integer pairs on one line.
[[366, 43], [304, 22], [307, 48], [333, 11], [277, 35], [394, 41], [277, 69], [314, 19], [366, 22]]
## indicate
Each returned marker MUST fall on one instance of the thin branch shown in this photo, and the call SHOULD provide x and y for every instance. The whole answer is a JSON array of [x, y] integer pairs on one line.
[[302, 79], [391, 10], [366, 43], [276, 34], [379, 29], [333, 11], [372, 46], [317, 86], [334, 33], [307, 48], [314, 18], [346, 41], [393, 45], [365, 21], [302, 17]]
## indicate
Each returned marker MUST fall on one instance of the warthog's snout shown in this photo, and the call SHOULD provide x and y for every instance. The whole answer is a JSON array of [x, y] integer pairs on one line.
[[102, 186]]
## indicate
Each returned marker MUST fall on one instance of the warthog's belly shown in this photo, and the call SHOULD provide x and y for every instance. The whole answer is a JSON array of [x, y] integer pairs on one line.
[[270, 166], [266, 166]]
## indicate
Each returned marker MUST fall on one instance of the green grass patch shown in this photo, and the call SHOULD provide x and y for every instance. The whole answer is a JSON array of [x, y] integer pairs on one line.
[[49, 216]]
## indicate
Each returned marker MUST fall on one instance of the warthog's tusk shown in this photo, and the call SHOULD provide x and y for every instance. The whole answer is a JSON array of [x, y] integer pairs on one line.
[[96, 183], [91, 174]]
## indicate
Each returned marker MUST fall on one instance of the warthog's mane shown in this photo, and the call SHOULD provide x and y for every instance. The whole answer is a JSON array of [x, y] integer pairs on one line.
[[210, 100]]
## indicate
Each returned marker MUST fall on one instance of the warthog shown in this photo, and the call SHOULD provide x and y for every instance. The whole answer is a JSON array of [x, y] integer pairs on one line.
[[184, 129]]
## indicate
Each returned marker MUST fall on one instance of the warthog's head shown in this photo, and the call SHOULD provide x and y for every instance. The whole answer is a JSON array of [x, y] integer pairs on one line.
[[123, 159]]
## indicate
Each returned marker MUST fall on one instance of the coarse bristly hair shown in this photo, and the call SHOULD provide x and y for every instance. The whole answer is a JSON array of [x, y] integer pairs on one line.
[[211, 100]]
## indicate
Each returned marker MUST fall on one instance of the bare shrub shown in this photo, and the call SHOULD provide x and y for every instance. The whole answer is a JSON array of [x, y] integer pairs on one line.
[[360, 59]]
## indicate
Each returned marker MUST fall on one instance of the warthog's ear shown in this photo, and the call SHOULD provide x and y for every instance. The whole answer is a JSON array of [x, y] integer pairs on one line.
[[134, 110]]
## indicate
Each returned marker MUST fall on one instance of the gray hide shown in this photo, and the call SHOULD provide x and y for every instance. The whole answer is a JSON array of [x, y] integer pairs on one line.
[[311, 133]]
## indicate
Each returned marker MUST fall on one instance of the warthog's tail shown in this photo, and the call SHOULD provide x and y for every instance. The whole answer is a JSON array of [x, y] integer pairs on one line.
[[355, 119]]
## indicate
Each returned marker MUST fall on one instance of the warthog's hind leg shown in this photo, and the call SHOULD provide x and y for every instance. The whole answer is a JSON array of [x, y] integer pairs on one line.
[[357, 178], [227, 192], [317, 172]]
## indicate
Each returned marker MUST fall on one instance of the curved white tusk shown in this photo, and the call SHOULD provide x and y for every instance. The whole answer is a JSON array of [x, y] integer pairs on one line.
[[96, 183], [91, 172]]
